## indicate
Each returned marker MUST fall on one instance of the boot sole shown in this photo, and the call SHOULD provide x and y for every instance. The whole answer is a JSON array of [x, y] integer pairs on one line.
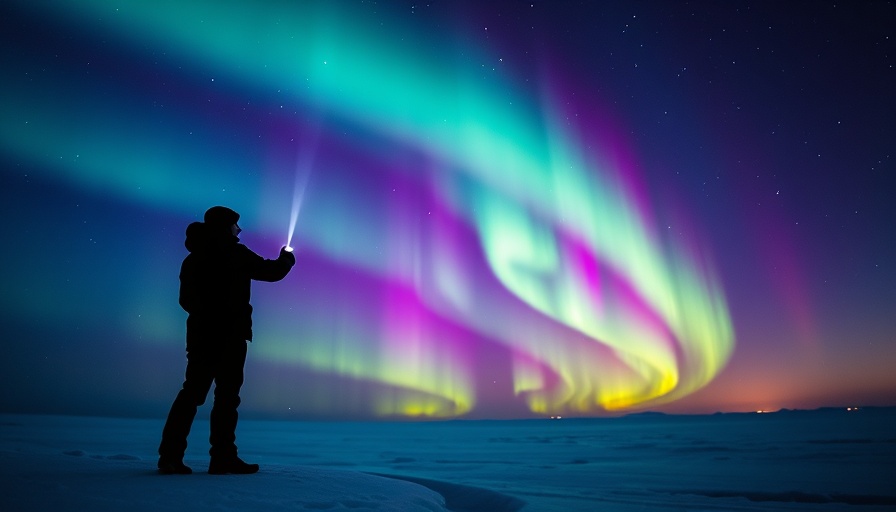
[[226, 472]]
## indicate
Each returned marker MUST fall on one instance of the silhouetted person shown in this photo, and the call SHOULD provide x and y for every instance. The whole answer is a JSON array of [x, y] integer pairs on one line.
[[215, 282]]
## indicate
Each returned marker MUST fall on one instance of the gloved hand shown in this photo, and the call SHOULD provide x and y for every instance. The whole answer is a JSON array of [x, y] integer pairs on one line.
[[287, 256]]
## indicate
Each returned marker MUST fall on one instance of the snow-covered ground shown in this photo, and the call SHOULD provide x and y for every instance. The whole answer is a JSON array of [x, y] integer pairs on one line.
[[820, 460]]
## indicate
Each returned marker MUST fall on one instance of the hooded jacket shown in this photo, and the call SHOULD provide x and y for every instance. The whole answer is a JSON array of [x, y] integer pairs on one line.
[[215, 284]]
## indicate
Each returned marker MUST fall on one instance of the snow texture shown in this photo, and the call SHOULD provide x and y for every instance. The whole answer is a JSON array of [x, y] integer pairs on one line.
[[827, 460]]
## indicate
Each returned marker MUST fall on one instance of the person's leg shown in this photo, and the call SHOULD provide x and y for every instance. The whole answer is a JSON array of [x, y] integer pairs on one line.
[[198, 381], [228, 380]]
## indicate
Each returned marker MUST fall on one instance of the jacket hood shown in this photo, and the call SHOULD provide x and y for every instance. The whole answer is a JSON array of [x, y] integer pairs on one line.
[[197, 237]]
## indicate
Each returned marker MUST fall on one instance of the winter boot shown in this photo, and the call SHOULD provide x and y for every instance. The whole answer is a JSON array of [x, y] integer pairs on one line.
[[231, 465], [173, 467]]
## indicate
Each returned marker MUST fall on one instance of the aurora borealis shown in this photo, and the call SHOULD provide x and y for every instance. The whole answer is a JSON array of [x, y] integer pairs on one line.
[[484, 230]]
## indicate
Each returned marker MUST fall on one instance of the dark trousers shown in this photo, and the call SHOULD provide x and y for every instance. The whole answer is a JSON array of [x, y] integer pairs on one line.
[[222, 365]]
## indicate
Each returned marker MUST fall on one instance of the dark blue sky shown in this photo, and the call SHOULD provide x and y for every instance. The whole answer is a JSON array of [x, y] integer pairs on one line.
[[511, 209]]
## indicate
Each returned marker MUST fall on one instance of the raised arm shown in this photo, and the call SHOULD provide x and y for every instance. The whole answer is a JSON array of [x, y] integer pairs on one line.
[[261, 269]]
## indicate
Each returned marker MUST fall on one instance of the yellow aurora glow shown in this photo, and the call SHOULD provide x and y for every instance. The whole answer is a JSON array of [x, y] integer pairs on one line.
[[598, 311]]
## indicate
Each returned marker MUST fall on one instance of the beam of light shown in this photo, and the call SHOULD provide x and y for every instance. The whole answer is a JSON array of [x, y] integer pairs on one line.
[[303, 171], [465, 211], [308, 141]]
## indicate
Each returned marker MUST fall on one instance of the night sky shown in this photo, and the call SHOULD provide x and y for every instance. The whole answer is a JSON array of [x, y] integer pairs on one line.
[[502, 209]]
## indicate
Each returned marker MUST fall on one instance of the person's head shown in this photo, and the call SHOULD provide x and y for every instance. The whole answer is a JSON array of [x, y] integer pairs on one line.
[[222, 221]]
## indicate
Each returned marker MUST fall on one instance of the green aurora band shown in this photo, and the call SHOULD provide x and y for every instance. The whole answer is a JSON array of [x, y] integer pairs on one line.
[[624, 317]]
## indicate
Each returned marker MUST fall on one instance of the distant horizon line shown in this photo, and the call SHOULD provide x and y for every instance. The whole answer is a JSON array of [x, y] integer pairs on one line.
[[401, 419]]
